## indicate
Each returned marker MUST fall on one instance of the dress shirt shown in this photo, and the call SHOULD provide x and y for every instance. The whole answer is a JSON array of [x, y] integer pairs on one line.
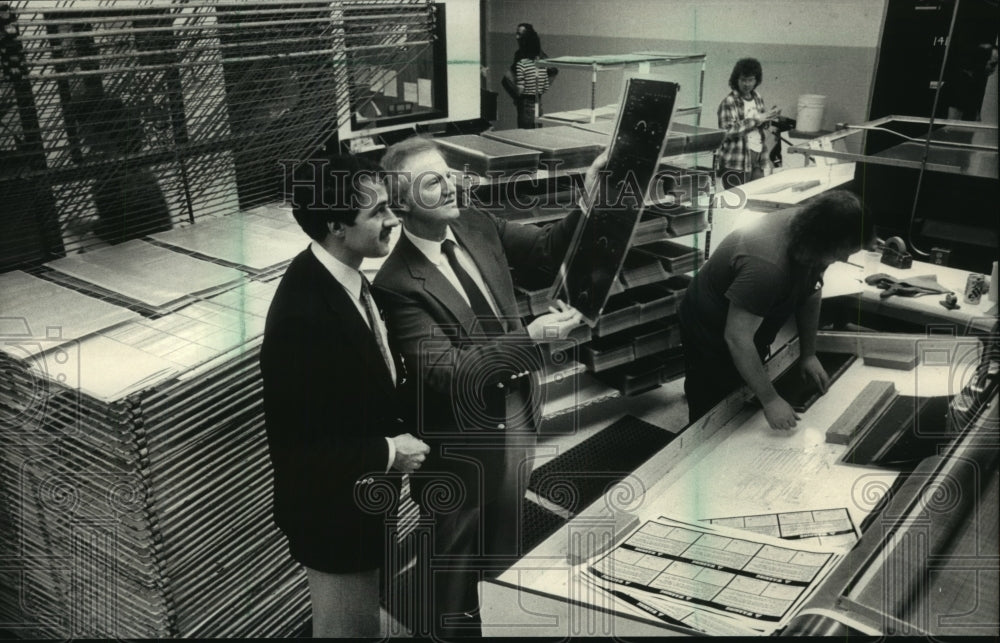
[[432, 250], [350, 279]]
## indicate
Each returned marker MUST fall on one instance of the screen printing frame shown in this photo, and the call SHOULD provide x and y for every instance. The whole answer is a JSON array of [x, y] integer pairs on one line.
[[561, 289]]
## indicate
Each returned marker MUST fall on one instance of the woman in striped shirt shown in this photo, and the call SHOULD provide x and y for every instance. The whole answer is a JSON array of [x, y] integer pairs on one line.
[[532, 80]]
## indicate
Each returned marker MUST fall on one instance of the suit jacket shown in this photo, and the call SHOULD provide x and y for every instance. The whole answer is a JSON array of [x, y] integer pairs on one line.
[[329, 404], [464, 378]]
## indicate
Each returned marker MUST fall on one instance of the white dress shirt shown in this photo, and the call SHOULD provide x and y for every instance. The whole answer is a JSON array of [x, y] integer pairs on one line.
[[432, 250], [350, 279]]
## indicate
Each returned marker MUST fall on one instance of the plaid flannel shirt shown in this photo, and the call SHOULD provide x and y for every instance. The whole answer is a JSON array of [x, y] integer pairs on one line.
[[733, 153]]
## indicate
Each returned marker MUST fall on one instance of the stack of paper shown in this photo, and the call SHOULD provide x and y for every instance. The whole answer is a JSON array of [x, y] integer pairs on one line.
[[248, 298], [275, 216], [641, 270], [37, 315], [710, 579], [192, 336], [237, 241], [102, 368], [607, 352], [138, 272], [144, 485], [651, 228], [537, 302], [681, 220]]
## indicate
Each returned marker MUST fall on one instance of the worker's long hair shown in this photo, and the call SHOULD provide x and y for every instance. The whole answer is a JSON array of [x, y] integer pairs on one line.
[[833, 222]]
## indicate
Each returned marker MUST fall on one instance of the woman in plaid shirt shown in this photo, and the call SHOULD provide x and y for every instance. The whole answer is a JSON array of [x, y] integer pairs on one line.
[[741, 114]]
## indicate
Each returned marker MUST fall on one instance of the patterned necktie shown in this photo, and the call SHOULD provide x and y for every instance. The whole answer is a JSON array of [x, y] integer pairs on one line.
[[373, 317], [488, 321]]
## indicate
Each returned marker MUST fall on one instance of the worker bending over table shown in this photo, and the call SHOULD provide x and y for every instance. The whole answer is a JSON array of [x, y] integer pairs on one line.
[[757, 278]]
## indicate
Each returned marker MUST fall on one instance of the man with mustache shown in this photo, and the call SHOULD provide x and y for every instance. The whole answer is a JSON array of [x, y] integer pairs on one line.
[[330, 401]]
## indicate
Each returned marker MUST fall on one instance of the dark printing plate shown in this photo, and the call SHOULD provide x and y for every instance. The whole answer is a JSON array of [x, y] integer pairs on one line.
[[800, 393], [603, 238]]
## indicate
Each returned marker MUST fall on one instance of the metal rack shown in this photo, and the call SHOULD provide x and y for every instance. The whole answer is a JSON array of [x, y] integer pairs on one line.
[[955, 147], [181, 109], [609, 62], [926, 180]]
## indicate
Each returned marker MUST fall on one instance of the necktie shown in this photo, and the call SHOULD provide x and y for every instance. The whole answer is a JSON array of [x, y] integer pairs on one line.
[[488, 321], [369, 306]]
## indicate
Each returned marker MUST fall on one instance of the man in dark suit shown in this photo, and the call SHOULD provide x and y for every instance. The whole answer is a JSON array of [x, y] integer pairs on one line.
[[451, 310], [333, 426]]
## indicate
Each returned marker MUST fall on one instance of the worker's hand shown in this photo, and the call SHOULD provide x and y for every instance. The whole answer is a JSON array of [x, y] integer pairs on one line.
[[780, 414], [410, 453], [771, 114], [556, 324], [812, 370], [591, 178]]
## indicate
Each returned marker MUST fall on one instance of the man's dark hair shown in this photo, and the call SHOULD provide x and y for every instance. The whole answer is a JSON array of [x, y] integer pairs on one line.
[[326, 190], [745, 67], [834, 221]]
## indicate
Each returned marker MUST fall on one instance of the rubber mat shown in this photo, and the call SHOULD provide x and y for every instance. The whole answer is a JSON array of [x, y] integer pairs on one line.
[[582, 474], [537, 524]]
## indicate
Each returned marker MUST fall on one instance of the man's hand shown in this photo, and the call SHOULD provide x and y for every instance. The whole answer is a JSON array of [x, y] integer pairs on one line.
[[556, 324], [410, 453], [780, 414], [812, 370], [590, 181]]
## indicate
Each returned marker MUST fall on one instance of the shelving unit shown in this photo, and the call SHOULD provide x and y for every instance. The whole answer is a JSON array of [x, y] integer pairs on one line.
[[635, 345], [611, 62]]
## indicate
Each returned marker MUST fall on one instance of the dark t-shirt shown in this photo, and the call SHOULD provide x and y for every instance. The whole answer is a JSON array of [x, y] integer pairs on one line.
[[751, 268]]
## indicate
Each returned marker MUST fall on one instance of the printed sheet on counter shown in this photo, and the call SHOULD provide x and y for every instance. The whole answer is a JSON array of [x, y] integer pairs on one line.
[[828, 528], [710, 578]]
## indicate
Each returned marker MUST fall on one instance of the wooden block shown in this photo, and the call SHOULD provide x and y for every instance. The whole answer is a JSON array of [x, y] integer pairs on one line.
[[865, 408], [898, 361]]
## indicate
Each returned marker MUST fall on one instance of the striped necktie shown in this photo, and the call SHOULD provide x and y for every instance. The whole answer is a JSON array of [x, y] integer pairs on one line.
[[373, 317]]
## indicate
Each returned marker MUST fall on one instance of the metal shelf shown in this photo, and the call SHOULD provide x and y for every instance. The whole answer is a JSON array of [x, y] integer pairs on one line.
[[955, 147], [608, 62]]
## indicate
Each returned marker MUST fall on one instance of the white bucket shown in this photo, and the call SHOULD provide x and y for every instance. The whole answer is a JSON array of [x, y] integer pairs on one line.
[[809, 117]]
